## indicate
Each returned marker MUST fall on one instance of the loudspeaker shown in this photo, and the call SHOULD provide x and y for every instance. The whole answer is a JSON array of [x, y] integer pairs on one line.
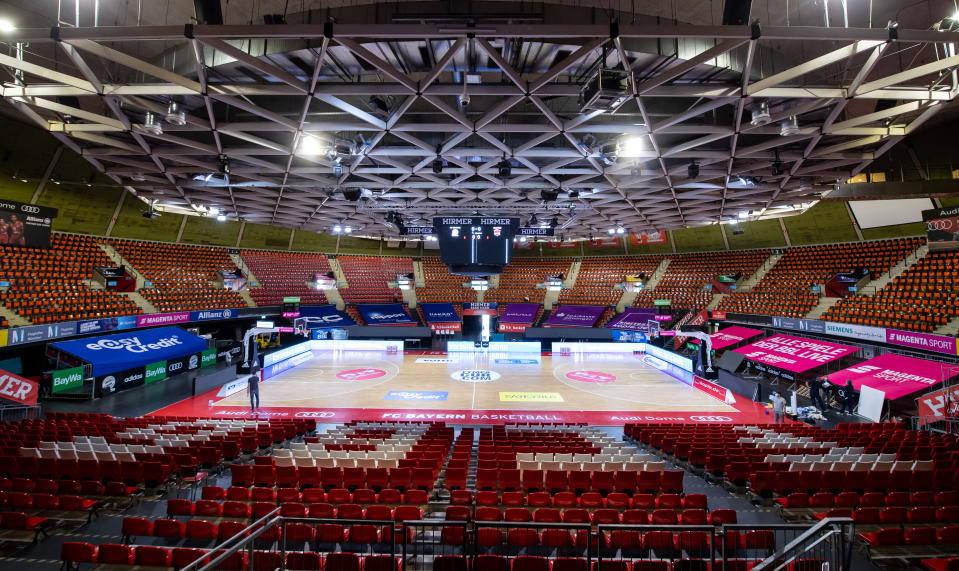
[[352, 194], [738, 231], [549, 195], [208, 12], [736, 12]]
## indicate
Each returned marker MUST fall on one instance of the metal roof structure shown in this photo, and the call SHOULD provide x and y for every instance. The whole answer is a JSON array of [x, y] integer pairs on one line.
[[426, 115]]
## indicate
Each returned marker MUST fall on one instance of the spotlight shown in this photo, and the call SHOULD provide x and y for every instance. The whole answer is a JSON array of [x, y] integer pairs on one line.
[[352, 194], [437, 165], [554, 222], [347, 229], [337, 229], [504, 168], [612, 231], [532, 220], [630, 147], [175, 115], [151, 124], [337, 168], [310, 146], [221, 217], [789, 127], [573, 194], [692, 171], [6, 25], [620, 230]]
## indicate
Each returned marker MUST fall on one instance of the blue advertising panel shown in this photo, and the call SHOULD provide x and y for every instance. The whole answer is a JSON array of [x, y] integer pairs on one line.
[[439, 312], [385, 314], [211, 314], [324, 316], [121, 351]]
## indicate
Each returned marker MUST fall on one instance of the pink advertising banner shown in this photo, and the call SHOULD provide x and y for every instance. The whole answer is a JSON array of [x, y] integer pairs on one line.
[[927, 341], [895, 375], [732, 335], [794, 354], [162, 319]]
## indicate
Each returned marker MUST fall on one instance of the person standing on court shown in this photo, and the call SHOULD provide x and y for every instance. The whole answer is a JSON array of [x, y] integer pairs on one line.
[[253, 386], [848, 395], [779, 408], [815, 393]]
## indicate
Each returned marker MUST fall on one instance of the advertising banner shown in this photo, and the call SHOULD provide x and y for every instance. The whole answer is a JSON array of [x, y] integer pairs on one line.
[[439, 313], [25, 224], [717, 315], [480, 308], [942, 228], [926, 341], [794, 353], [163, 319], [122, 351], [633, 319], [732, 335], [520, 313], [66, 379], [864, 332], [208, 358], [104, 385], [810, 325], [575, 316], [895, 375], [385, 314], [17, 389], [648, 238], [155, 372], [940, 404], [211, 314], [324, 316]]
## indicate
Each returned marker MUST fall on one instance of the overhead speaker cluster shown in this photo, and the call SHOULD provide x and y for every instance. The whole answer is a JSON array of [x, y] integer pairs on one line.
[[352, 194], [549, 195]]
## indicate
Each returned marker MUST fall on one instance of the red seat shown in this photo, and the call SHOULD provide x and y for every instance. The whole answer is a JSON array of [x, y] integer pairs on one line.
[[884, 537], [200, 529], [135, 526], [449, 563], [517, 515], [114, 554], [575, 515], [522, 537], [342, 562], [183, 556], [152, 555], [564, 499], [559, 538], [491, 563], [921, 536], [168, 528], [76, 552]]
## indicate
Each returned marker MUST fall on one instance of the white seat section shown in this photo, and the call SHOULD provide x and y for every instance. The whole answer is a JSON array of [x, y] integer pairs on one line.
[[870, 458], [821, 466], [841, 467], [592, 466], [655, 466], [800, 466], [887, 458], [924, 465], [862, 466], [883, 466]]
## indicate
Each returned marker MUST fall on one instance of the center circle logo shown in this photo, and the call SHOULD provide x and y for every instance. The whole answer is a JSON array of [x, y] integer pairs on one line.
[[710, 418], [360, 374], [475, 376], [590, 377]]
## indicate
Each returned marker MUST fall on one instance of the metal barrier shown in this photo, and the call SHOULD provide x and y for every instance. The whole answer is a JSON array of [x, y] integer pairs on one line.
[[16, 413], [935, 424], [828, 542], [775, 547]]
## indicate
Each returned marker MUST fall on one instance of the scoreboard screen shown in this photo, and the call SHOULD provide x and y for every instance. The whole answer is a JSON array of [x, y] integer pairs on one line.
[[475, 245]]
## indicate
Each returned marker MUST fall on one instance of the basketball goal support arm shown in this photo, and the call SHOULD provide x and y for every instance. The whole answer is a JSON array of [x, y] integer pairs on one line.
[[705, 339]]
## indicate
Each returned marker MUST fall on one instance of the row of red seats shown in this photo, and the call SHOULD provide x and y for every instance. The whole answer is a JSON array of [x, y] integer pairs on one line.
[[616, 500], [896, 515], [23, 501], [537, 563], [326, 532], [314, 495], [579, 481], [66, 469], [896, 536], [310, 476], [74, 553], [799, 500], [241, 510], [602, 516]]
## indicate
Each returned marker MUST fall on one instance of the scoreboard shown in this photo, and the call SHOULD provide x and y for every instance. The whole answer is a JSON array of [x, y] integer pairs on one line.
[[475, 245]]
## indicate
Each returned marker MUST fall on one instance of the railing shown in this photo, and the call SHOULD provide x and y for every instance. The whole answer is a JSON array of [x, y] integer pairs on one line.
[[774, 546], [935, 424], [15, 413], [829, 542]]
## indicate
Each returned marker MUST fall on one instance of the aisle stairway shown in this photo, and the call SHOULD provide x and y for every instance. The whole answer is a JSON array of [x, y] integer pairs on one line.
[[754, 279]]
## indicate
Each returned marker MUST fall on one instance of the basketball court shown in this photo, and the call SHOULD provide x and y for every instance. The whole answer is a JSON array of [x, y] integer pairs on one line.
[[481, 388]]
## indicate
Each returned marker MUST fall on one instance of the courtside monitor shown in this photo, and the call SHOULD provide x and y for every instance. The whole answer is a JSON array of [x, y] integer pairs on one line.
[[475, 245]]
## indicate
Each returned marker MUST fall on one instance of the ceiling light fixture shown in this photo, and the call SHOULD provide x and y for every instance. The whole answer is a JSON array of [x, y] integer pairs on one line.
[[630, 147], [692, 171], [151, 124], [175, 115], [789, 127], [505, 169], [310, 145], [7, 26]]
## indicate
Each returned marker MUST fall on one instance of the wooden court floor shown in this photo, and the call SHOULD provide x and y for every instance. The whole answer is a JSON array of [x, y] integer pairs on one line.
[[467, 381]]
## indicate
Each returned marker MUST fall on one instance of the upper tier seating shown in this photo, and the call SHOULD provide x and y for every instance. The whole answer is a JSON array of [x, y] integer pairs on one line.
[[180, 274], [283, 274], [518, 280], [594, 283], [687, 276], [442, 286], [47, 285], [787, 289], [369, 276], [922, 298]]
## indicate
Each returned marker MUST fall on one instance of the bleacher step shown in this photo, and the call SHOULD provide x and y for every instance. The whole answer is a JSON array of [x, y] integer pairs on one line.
[[141, 302], [658, 274], [760, 273], [251, 280], [245, 294], [716, 300], [882, 281], [951, 328], [824, 305], [119, 260], [12, 317]]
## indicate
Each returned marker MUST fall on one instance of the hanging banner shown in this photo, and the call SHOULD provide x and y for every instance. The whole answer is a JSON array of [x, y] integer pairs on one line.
[[926, 341], [895, 375], [385, 314], [938, 405], [439, 312], [795, 354], [646, 238], [575, 316], [633, 319], [480, 308], [17, 389], [24, 224], [942, 228]]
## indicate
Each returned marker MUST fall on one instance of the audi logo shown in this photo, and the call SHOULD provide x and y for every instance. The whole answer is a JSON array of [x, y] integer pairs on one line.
[[30, 209], [311, 414], [711, 418], [176, 366], [943, 224]]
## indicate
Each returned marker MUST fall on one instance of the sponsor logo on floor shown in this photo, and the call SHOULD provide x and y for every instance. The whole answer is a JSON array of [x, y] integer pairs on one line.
[[475, 376], [530, 397], [416, 395]]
